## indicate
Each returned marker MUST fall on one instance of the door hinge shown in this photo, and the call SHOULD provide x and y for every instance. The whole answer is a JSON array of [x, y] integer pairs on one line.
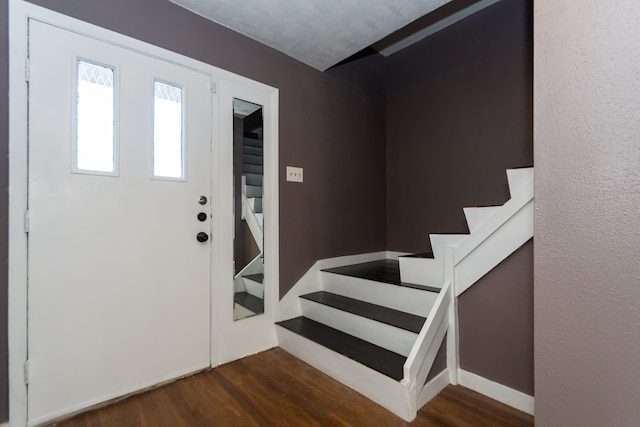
[[213, 87], [26, 221], [27, 70], [26, 372]]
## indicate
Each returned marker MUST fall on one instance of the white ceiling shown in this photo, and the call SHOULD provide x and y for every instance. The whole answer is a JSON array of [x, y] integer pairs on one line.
[[322, 33]]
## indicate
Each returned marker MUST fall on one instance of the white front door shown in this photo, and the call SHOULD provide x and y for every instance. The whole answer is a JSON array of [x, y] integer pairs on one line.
[[119, 189]]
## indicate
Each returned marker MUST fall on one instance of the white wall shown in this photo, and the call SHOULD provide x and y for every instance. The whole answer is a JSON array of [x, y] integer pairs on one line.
[[587, 244]]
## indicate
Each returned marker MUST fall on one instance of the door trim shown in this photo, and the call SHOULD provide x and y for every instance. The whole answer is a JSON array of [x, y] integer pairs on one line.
[[20, 12]]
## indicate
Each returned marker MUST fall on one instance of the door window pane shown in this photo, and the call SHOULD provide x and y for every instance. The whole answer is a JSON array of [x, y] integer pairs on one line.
[[168, 151], [95, 118]]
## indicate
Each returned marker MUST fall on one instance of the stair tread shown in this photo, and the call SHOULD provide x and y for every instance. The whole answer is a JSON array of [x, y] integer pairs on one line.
[[249, 302], [252, 142], [377, 358], [389, 316], [255, 277], [249, 149], [384, 270]]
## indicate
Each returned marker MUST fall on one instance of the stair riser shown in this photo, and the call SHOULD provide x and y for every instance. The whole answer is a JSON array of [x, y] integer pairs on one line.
[[252, 160], [422, 271], [253, 179], [253, 288], [253, 191], [401, 298], [377, 387], [256, 169], [394, 339]]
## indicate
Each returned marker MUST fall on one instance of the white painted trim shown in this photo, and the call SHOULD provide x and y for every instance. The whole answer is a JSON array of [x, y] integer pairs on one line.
[[18, 37], [495, 248], [432, 388], [514, 398], [19, 13], [423, 352], [311, 282]]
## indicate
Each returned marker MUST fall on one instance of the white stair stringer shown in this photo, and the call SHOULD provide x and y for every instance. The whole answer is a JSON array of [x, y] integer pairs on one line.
[[499, 230], [253, 220]]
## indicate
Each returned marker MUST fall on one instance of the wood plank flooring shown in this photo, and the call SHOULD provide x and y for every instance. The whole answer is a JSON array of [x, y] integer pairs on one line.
[[276, 389]]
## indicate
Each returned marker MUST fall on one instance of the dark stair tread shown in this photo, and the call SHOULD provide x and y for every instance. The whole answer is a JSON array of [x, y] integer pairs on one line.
[[389, 316], [255, 277], [384, 270], [249, 168], [377, 358], [253, 142], [249, 302], [256, 151], [250, 159]]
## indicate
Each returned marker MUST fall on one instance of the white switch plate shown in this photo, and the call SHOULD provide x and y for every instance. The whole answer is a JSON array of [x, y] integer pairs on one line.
[[294, 174]]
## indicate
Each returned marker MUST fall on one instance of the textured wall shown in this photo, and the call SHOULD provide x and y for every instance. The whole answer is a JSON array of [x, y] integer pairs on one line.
[[331, 124], [496, 323], [459, 112], [587, 190]]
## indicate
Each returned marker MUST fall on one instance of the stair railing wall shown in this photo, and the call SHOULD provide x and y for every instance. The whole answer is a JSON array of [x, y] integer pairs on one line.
[[508, 229], [251, 218], [424, 351]]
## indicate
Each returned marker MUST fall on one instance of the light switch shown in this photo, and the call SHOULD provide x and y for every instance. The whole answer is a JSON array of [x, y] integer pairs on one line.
[[294, 174]]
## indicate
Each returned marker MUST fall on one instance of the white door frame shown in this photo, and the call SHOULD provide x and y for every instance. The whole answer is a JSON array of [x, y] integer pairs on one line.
[[19, 14]]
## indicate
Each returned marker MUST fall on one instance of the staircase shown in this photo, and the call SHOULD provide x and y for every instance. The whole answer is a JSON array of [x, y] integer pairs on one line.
[[377, 326], [249, 287]]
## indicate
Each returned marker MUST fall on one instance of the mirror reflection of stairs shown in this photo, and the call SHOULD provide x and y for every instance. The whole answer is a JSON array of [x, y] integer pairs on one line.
[[249, 282]]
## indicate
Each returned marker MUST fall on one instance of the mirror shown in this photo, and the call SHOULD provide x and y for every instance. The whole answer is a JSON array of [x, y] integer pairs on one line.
[[248, 177]]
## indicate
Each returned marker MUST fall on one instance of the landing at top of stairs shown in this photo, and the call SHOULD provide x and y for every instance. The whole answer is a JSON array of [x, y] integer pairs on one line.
[[384, 270]]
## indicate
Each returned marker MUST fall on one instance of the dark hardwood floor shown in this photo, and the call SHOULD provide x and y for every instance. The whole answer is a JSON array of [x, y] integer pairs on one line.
[[276, 389]]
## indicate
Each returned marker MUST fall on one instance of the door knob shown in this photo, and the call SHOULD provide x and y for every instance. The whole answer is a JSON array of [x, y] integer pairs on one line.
[[202, 237], [202, 217], [202, 200]]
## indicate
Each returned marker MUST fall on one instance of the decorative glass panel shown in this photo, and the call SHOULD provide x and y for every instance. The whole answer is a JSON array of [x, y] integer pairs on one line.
[[95, 118], [168, 150]]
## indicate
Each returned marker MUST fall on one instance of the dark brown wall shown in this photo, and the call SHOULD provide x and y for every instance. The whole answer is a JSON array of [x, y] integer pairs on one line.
[[331, 124], [496, 323], [4, 208], [459, 112]]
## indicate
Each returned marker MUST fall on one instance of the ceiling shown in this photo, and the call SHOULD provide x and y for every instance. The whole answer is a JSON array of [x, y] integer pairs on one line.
[[323, 33]]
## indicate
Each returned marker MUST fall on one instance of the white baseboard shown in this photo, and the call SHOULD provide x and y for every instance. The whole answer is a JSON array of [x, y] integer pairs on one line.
[[514, 398]]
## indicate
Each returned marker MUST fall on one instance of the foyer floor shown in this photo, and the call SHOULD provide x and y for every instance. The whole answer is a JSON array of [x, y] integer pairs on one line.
[[276, 389]]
